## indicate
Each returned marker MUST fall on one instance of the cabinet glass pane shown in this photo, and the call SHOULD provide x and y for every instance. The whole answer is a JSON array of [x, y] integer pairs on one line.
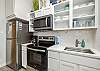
[[84, 22], [61, 15], [83, 13]]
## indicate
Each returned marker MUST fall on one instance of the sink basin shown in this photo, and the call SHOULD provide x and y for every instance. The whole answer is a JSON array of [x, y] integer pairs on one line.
[[79, 50]]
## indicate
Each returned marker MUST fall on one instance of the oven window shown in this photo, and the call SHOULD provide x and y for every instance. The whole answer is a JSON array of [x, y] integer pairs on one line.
[[36, 60]]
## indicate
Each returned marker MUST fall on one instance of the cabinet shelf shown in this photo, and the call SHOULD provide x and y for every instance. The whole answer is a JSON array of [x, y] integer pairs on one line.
[[86, 6], [76, 28], [92, 27], [62, 12], [86, 16], [61, 20]]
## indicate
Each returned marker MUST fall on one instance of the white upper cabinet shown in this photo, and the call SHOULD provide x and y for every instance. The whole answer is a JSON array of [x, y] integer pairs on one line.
[[58, 61], [73, 14], [76, 14], [62, 16], [18, 9], [84, 14]]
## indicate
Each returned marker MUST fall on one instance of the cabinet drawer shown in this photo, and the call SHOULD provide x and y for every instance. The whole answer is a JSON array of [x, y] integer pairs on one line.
[[85, 61], [53, 64], [53, 54], [24, 59], [66, 66], [83, 68]]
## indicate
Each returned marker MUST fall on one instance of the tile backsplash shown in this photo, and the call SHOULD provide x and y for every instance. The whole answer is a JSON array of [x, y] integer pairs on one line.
[[68, 37]]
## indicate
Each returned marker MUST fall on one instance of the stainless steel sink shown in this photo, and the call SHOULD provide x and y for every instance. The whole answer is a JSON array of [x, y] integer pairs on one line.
[[79, 50]]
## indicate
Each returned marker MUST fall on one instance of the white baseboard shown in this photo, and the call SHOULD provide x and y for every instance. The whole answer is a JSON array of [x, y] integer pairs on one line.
[[1, 65]]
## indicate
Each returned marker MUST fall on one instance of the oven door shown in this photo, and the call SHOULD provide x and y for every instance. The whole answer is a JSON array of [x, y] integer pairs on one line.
[[37, 58]]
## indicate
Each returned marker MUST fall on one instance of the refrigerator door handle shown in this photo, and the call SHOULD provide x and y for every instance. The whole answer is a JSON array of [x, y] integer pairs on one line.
[[7, 27]]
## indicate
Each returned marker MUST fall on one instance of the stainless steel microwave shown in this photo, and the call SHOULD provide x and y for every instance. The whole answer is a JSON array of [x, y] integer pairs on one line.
[[43, 23]]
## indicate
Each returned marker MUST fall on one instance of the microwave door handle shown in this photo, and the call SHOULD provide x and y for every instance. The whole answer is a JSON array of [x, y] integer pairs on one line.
[[46, 21], [36, 50]]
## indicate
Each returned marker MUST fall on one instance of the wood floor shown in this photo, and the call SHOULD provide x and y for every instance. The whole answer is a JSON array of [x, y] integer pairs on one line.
[[6, 68]]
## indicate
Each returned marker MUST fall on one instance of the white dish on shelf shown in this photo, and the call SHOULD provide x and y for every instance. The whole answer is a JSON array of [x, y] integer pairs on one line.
[[84, 16], [77, 6], [57, 18], [65, 17], [83, 6], [91, 3], [62, 11]]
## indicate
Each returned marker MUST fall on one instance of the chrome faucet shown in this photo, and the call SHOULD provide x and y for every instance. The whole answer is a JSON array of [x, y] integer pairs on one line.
[[77, 42]]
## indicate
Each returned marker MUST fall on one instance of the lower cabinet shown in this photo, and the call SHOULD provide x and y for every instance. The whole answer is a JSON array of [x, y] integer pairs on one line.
[[83, 68], [24, 56], [67, 66], [74, 67], [53, 64], [24, 59], [68, 62]]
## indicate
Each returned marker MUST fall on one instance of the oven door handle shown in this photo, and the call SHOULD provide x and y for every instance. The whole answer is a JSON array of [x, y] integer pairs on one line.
[[36, 50]]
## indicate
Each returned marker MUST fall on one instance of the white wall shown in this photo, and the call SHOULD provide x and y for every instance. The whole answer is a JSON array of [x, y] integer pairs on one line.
[[69, 37], [2, 34], [22, 8]]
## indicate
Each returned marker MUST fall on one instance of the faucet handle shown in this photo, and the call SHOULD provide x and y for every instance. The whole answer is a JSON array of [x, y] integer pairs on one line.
[[77, 42]]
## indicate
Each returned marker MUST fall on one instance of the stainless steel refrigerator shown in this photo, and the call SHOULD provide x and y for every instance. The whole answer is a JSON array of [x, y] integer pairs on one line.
[[17, 34]]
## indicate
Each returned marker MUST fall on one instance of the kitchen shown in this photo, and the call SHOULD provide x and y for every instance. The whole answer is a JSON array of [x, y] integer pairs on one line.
[[64, 35]]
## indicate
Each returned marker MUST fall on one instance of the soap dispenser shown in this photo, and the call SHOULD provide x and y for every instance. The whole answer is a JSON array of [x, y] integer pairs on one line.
[[56, 40], [83, 44]]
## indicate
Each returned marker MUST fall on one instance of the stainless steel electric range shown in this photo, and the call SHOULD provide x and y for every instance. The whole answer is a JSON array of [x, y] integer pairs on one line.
[[37, 56]]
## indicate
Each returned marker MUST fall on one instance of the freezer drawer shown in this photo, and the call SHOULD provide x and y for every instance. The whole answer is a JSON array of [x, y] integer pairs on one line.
[[11, 51]]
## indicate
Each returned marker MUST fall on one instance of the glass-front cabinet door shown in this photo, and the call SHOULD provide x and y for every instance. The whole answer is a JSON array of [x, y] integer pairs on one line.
[[83, 14], [61, 15]]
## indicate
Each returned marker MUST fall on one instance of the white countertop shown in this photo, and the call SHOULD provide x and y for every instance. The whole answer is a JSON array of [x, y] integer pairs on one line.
[[60, 48]]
